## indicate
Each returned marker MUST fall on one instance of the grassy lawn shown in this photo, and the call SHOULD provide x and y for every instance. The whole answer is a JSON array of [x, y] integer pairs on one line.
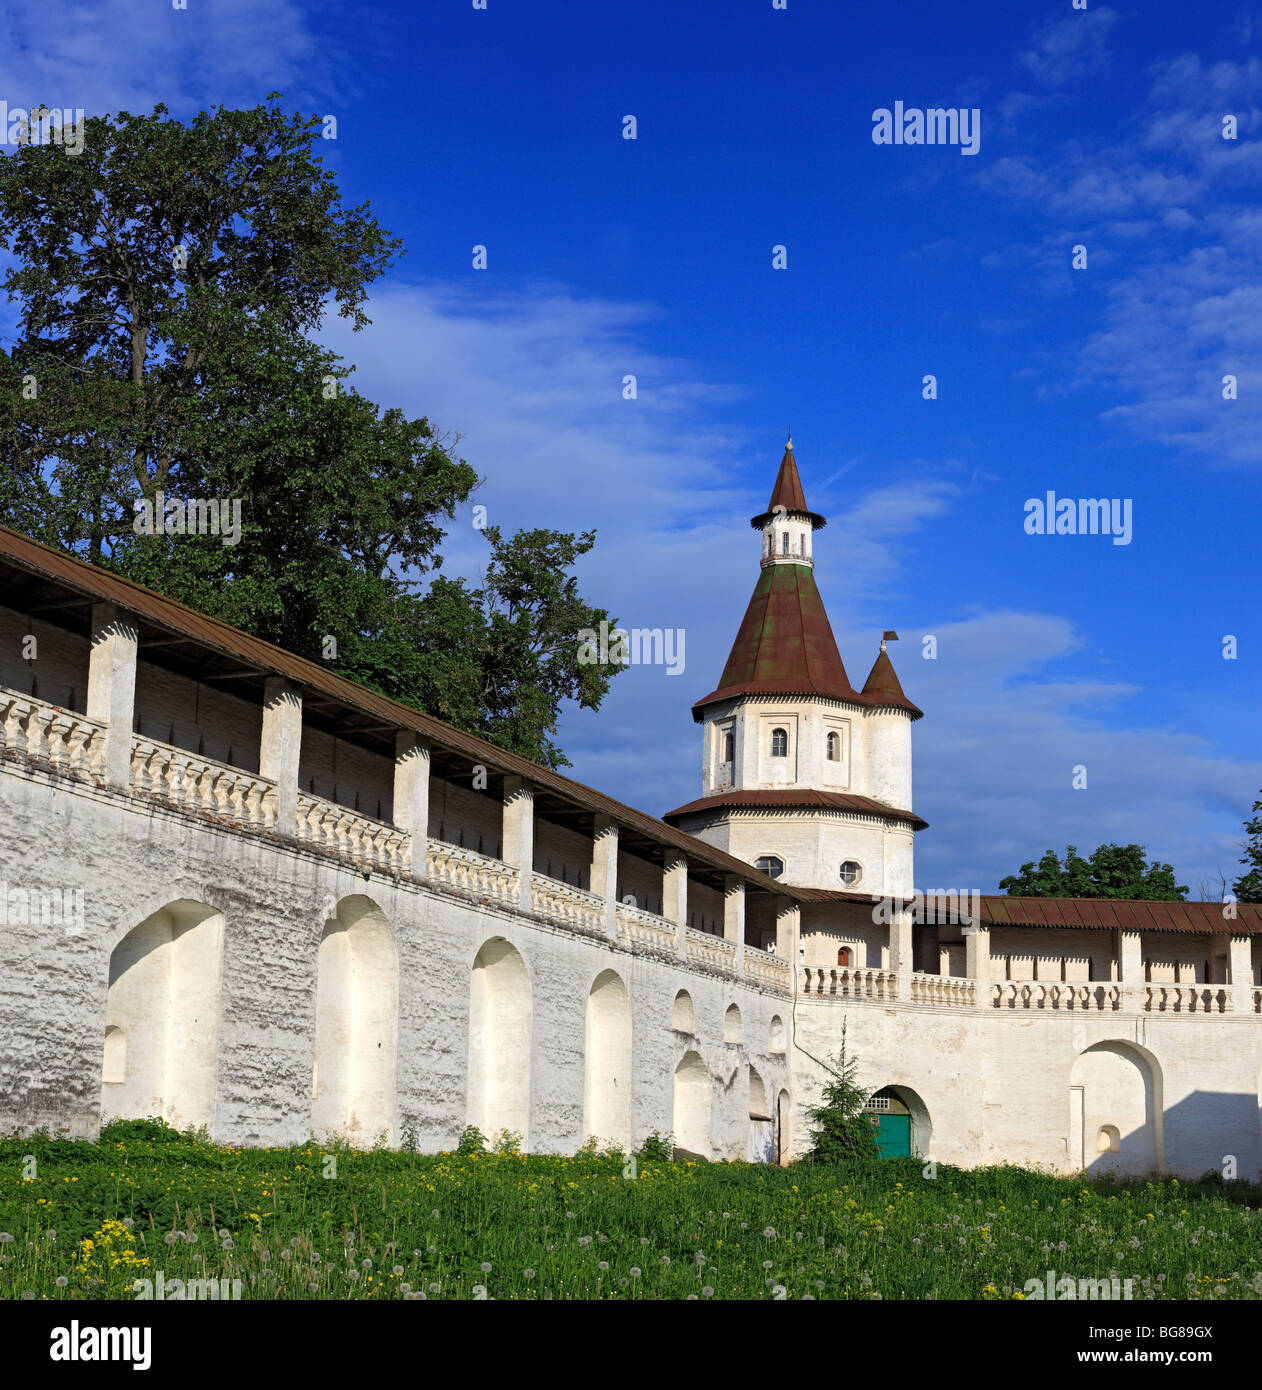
[[85, 1220]]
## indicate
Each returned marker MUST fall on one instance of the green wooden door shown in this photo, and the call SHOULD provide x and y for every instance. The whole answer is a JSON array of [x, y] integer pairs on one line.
[[893, 1136]]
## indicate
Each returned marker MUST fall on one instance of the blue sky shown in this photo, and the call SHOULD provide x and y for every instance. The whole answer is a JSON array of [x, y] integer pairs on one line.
[[606, 256]]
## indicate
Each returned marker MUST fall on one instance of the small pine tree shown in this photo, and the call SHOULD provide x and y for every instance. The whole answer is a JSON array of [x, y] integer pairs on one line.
[[843, 1133], [1248, 887]]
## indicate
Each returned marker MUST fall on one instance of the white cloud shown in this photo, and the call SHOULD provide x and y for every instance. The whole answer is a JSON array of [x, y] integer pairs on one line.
[[1069, 48], [113, 55]]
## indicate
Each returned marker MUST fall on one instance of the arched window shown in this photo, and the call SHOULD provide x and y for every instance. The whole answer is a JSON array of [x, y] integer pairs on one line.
[[770, 865], [779, 743], [733, 1028], [834, 748], [115, 1072], [1109, 1140], [729, 748], [843, 956], [851, 871]]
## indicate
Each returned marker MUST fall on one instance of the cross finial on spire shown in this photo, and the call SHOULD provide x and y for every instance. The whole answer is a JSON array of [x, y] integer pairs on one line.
[[789, 442]]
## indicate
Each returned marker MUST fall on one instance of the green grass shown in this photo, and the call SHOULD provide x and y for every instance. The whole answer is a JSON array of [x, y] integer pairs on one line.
[[85, 1220]]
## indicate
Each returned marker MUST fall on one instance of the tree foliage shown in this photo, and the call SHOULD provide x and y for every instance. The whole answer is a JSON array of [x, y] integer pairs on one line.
[[1112, 871], [1248, 887], [169, 278], [842, 1133]]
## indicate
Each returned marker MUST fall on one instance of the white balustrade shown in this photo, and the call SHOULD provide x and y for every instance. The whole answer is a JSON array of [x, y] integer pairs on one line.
[[472, 875], [1043, 994], [943, 989], [645, 932], [201, 785], [567, 906], [63, 740], [1187, 999], [348, 835], [766, 971], [710, 952], [850, 983]]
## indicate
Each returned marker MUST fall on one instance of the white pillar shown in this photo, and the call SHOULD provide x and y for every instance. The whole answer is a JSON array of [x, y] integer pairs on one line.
[[1130, 970], [1241, 964], [604, 877], [675, 897], [788, 928], [112, 686], [900, 930], [281, 749], [519, 833], [411, 796], [734, 917], [977, 959]]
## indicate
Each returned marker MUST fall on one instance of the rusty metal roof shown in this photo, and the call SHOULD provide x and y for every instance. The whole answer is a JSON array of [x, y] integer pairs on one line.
[[787, 493], [1127, 914], [785, 645], [882, 687], [20, 552], [793, 798]]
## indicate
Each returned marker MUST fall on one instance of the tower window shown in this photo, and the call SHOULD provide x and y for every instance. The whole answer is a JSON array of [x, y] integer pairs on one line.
[[729, 748], [784, 543], [779, 743], [770, 865], [834, 748], [851, 871], [802, 544]]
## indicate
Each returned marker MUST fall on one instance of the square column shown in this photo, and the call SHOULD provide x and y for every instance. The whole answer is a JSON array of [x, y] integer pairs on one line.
[[734, 917], [675, 897], [604, 876], [788, 928], [411, 797], [1130, 970], [112, 686], [281, 748], [519, 833], [900, 929], [977, 959], [1241, 967]]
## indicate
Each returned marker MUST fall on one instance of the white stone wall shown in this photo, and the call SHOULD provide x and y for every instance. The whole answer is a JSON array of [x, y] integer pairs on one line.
[[274, 903], [997, 1086]]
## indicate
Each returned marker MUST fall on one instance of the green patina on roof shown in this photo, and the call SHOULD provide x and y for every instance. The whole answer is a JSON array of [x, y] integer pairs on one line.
[[785, 644]]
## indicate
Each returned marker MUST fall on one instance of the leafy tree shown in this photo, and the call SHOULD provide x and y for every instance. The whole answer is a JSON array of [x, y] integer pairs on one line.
[[843, 1133], [141, 266], [1248, 887], [169, 278], [1112, 871]]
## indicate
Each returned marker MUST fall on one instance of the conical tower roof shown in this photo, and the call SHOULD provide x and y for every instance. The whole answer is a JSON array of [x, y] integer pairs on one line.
[[785, 645], [882, 686], [787, 494]]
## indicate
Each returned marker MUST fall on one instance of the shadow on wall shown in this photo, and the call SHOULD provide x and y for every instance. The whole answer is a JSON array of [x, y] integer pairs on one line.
[[1119, 1123]]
